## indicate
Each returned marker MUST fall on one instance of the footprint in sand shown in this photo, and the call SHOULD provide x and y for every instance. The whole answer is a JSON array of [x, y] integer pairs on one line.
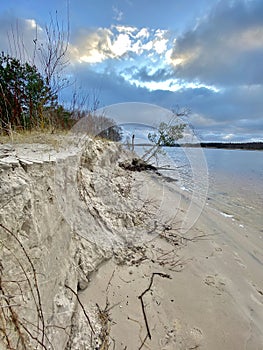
[[196, 334], [181, 336], [216, 282], [217, 249]]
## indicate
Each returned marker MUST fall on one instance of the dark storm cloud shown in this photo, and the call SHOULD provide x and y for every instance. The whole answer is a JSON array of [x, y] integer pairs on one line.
[[145, 74], [234, 111], [226, 48], [109, 87], [229, 104]]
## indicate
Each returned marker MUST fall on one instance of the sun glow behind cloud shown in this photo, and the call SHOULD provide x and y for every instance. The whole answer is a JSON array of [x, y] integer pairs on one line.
[[118, 41], [171, 85], [141, 56], [32, 23], [211, 63]]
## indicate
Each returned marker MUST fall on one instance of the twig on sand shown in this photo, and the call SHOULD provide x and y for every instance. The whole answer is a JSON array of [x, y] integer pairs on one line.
[[164, 275], [82, 307], [171, 235], [143, 342], [105, 326], [109, 283]]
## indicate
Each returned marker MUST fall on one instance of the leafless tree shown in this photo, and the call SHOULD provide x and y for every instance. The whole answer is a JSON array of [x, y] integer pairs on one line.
[[52, 53], [48, 52]]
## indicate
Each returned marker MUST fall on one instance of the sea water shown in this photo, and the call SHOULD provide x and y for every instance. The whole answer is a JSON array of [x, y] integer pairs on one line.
[[234, 182]]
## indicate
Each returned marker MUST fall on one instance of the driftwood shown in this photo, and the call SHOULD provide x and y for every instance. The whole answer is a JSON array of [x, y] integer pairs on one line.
[[137, 164]]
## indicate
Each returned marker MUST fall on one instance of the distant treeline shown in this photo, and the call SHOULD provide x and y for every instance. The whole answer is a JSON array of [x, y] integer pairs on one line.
[[227, 145], [223, 145]]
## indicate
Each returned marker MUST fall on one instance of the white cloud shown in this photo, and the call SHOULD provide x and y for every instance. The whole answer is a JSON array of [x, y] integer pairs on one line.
[[94, 57], [143, 33], [147, 46], [32, 24], [160, 41], [168, 85], [17, 37], [160, 46], [137, 47], [92, 47], [117, 41], [125, 29], [160, 33], [228, 136], [121, 45]]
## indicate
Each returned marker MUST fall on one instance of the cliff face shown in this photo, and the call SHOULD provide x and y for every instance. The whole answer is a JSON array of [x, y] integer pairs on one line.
[[61, 214], [64, 214]]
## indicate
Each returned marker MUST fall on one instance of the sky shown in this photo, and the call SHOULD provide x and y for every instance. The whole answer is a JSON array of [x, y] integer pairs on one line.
[[206, 55]]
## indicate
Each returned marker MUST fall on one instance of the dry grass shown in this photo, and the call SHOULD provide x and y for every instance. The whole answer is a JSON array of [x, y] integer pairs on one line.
[[46, 136]]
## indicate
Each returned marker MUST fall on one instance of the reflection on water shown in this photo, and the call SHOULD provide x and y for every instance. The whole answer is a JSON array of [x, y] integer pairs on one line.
[[236, 184], [235, 181]]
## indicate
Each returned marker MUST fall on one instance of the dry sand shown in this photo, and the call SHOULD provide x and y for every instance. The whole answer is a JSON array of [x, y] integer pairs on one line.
[[213, 298]]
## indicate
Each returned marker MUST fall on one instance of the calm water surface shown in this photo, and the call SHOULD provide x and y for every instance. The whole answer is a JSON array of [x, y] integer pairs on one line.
[[235, 182]]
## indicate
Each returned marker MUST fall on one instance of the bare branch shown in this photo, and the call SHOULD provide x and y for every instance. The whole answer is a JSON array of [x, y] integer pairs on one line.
[[82, 307], [52, 52], [164, 275]]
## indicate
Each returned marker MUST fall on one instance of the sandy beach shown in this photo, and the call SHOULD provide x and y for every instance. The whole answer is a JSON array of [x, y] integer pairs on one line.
[[211, 300], [131, 277]]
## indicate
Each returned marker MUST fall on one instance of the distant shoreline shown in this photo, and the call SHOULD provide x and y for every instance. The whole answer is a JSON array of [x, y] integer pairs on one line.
[[251, 146]]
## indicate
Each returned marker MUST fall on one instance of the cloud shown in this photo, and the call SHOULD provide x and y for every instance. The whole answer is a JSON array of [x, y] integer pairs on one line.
[[101, 44], [226, 48], [17, 35], [118, 14], [125, 29], [160, 41], [235, 110], [131, 64], [143, 33], [108, 85], [117, 48], [91, 46], [121, 45], [147, 74]]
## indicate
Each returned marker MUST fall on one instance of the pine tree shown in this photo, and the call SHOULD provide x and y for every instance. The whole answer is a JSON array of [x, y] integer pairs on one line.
[[23, 95]]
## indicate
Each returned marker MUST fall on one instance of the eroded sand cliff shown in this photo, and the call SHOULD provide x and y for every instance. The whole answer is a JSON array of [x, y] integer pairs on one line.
[[92, 257]]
